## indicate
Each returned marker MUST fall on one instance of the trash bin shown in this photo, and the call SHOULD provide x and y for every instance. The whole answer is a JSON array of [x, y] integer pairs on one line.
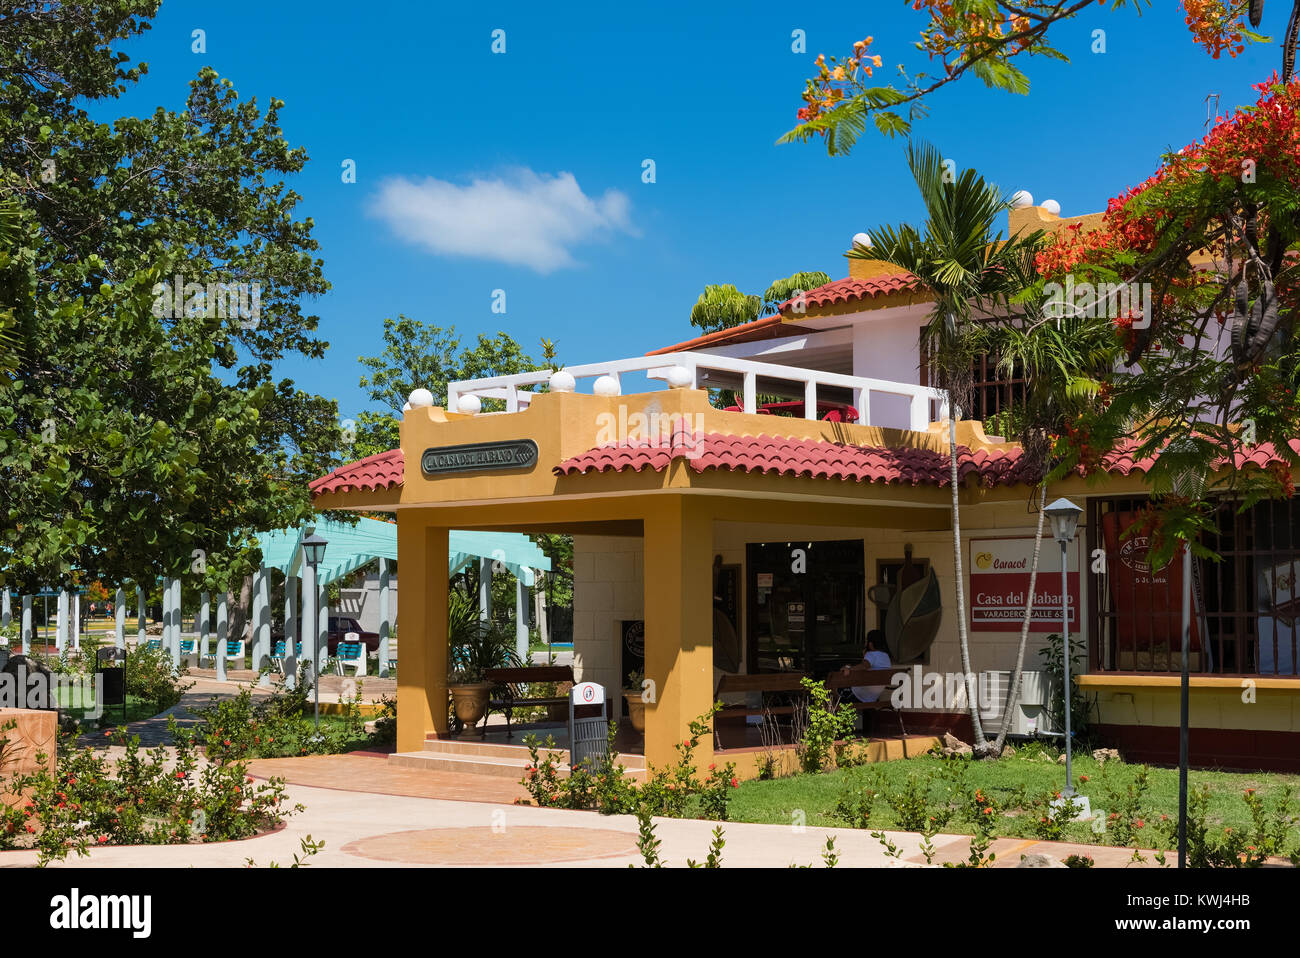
[[111, 677], [588, 724]]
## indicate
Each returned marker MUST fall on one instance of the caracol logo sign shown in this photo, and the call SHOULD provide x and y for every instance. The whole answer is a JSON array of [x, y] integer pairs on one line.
[[479, 457]]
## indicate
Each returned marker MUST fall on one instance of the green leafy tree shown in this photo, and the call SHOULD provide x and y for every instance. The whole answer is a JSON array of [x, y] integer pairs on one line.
[[724, 306], [143, 433], [419, 355]]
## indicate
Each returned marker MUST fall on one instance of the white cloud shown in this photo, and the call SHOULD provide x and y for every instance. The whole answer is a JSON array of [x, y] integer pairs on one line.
[[520, 217]]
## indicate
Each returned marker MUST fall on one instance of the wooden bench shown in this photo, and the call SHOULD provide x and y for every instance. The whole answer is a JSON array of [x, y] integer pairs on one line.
[[506, 693], [790, 683], [842, 686]]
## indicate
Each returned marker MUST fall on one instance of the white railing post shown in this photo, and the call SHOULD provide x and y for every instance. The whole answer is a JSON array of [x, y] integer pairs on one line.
[[862, 403], [810, 398], [751, 392]]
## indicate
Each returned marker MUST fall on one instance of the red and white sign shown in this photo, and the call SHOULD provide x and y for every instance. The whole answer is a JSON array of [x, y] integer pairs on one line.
[[999, 585], [588, 693]]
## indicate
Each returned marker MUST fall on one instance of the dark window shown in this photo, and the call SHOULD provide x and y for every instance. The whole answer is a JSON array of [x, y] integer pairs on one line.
[[809, 621], [1245, 606]]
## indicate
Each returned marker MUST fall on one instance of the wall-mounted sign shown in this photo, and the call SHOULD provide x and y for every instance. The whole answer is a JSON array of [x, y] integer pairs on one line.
[[999, 585], [479, 457]]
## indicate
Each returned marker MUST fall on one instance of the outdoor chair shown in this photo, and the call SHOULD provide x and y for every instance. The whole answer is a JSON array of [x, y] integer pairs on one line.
[[190, 649], [234, 652], [153, 644], [351, 651], [277, 654]]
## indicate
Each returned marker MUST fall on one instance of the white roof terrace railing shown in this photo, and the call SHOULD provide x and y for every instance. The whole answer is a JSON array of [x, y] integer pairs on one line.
[[698, 371]]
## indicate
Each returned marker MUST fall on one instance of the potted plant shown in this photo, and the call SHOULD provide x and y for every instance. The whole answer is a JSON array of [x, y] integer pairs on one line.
[[632, 695], [473, 646]]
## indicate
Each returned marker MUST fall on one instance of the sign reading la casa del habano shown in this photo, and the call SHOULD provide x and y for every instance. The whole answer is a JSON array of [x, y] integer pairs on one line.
[[479, 457], [999, 584]]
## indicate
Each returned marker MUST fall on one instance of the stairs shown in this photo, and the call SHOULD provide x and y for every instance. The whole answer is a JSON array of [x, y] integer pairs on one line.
[[491, 758]]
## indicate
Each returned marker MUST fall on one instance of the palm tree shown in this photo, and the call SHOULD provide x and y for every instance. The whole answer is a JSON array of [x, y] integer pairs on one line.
[[961, 259], [1062, 359], [724, 306]]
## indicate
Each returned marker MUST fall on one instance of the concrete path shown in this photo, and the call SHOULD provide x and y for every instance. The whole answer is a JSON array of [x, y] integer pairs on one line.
[[372, 815]]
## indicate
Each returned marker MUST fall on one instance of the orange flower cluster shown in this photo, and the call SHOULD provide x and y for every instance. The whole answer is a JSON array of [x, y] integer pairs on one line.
[[1216, 25], [836, 80]]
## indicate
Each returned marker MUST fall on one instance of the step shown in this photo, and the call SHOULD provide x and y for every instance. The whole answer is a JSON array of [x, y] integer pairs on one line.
[[471, 764], [459, 746]]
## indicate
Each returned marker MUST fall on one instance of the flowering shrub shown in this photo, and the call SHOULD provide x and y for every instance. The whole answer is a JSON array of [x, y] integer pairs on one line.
[[676, 792], [276, 726], [144, 798], [151, 676], [1272, 832], [825, 726]]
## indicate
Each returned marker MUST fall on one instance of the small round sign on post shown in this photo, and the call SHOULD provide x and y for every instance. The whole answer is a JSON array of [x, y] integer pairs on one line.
[[588, 734]]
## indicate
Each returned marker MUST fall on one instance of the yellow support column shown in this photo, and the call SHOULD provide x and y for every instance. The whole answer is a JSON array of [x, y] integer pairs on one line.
[[422, 642], [678, 625]]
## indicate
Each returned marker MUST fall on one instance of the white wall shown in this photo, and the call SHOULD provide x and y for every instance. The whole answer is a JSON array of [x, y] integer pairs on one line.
[[363, 603], [607, 588], [886, 345]]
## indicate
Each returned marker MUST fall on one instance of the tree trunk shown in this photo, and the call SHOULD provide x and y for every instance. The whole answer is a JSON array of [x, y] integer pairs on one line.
[[1013, 697], [980, 744], [241, 624]]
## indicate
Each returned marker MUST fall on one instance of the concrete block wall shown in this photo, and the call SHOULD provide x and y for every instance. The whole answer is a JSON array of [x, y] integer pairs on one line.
[[608, 588]]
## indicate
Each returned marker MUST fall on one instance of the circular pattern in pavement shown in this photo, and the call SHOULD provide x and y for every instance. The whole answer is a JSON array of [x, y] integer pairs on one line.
[[485, 845]]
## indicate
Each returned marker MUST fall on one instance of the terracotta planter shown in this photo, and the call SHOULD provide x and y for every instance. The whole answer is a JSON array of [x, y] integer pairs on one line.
[[470, 702], [635, 710]]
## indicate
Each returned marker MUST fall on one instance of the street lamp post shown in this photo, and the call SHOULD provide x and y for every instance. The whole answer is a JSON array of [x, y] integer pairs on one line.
[[313, 553], [1188, 482], [1064, 516]]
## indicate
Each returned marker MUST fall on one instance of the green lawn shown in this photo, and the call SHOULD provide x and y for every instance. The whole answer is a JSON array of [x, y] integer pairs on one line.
[[1012, 783], [136, 709]]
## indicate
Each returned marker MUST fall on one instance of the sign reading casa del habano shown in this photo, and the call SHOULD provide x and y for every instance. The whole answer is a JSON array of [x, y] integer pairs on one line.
[[479, 456]]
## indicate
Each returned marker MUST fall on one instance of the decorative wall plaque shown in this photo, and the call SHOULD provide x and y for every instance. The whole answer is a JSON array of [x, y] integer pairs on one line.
[[479, 457]]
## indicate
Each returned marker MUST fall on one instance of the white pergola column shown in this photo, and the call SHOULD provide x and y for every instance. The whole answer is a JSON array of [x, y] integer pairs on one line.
[[139, 615], [119, 619], [205, 603], [291, 586], [539, 597], [385, 628], [27, 625], [521, 618], [74, 622], [308, 585], [485, 589], [166, 613], [322, 629], [223, 633], [176, 622], [61, 621], [261, 622], [7, 615]]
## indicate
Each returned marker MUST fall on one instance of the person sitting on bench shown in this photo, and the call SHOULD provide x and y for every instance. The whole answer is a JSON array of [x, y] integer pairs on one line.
[[875, 657]]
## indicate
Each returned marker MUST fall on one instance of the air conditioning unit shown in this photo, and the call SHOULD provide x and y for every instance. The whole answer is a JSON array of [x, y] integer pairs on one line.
[[1030, 717]]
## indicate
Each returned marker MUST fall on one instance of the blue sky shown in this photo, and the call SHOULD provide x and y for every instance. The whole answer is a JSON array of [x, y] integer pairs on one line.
[[605, 265]]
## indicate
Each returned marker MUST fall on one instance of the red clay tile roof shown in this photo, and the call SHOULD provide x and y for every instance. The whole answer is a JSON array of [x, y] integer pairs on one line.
[[819, 459], [381, 471], [853, 290], [822, 459], [772, 327], [777, 455], [769, 327], [1122, 463]]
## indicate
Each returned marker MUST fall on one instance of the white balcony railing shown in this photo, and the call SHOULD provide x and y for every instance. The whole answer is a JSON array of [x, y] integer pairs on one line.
[[925, 404]]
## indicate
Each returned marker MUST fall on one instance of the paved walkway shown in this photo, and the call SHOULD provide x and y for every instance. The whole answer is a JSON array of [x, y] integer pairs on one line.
[[370, 813]]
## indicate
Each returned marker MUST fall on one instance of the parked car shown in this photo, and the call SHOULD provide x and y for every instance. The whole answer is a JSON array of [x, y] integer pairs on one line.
[[339, 627]]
